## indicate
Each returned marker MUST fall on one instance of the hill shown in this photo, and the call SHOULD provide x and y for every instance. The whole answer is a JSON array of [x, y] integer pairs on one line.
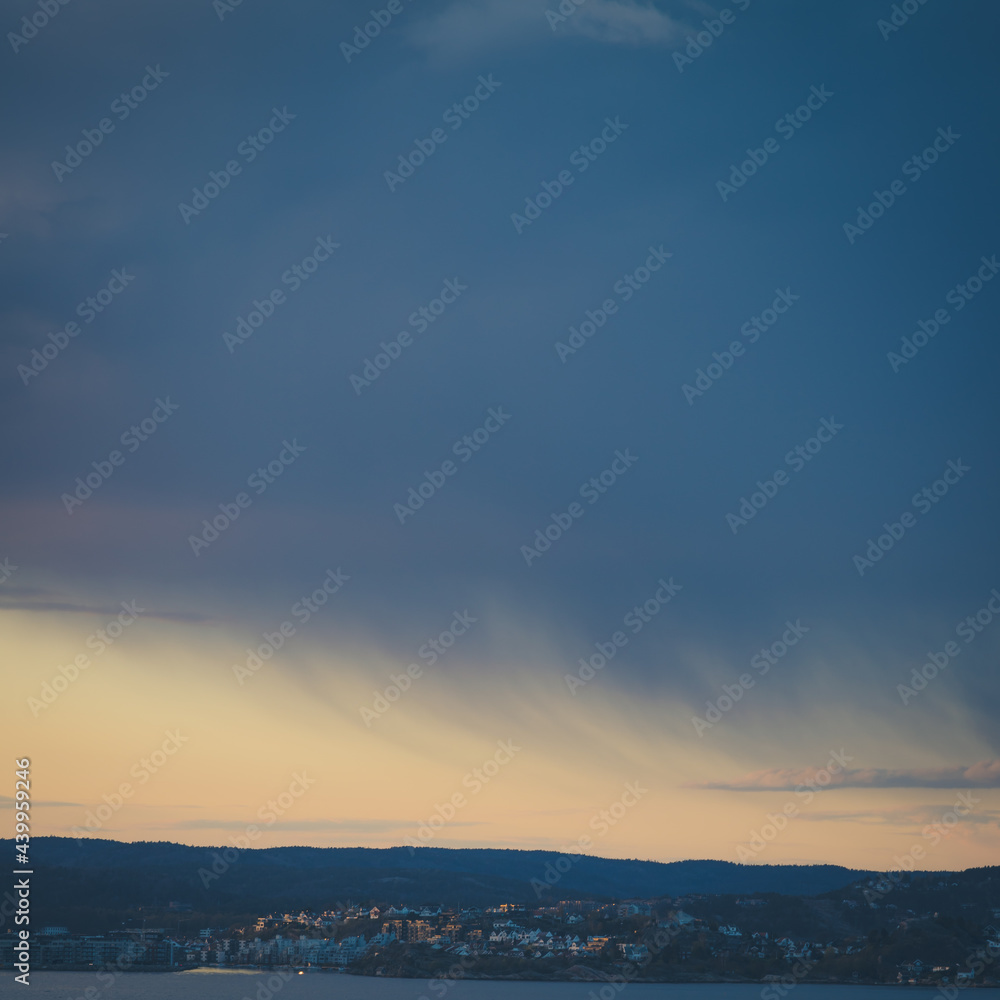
[[88, 884]]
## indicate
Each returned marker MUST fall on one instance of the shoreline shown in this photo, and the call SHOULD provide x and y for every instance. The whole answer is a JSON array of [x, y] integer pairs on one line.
[[703, 979]]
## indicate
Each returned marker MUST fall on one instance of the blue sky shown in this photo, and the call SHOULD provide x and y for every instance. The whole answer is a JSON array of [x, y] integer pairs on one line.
[[680, 127]]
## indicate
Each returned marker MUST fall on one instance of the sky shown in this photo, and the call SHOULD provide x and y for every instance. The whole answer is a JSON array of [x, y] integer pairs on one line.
[[502, 422]]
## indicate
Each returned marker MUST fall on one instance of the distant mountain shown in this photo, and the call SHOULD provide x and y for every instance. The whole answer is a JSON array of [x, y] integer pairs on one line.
[[87, 883]]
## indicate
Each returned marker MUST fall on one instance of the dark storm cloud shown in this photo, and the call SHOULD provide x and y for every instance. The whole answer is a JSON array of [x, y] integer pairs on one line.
[[821, 364]]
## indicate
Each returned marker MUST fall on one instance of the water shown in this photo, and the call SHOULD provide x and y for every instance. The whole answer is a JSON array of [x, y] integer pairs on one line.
[[246, 985]]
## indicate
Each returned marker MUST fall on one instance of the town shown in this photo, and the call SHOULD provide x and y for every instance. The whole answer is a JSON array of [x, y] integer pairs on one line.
[[693, 938]]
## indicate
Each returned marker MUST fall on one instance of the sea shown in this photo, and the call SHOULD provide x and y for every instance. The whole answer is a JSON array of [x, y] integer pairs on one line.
[[213, 984]]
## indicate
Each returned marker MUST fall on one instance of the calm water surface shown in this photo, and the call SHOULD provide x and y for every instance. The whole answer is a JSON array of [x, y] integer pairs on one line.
[[238, 985]]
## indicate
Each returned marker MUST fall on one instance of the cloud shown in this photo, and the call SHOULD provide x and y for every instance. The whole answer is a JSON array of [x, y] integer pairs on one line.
[[984, 774], [27, 202], [464, 27], [624, 22], [916, 816], [11, 591], [32, 599], [6, 802], [349, 825]]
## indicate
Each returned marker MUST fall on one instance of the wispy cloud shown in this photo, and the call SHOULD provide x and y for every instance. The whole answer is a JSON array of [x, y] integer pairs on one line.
[[6, 802], [347, 825], [465, 28], [984, 774], [624, 22], [906, 817], [35, 599]]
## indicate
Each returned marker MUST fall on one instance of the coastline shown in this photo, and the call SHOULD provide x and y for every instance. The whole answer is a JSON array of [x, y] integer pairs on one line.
[[691, 979]]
